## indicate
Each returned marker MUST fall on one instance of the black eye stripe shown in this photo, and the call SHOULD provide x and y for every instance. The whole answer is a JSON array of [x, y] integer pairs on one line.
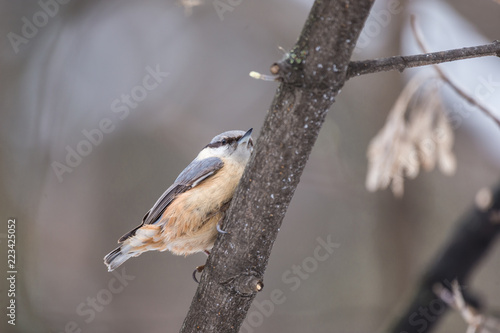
[[228, 141], [231, 140]]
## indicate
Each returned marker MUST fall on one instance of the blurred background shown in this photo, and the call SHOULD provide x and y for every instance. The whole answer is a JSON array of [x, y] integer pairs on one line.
[[103, 103]]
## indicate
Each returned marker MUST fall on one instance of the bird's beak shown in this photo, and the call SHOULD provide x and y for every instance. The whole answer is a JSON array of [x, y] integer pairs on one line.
[[246, 138]]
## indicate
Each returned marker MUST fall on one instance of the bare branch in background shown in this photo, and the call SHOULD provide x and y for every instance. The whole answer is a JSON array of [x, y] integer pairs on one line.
[[416, 136], [420, 39]]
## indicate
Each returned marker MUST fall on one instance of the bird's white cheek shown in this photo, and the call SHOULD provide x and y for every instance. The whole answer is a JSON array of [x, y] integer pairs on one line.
[[212, 152]]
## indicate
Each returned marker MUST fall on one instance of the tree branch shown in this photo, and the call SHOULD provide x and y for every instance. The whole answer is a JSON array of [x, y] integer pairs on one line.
[[468, 244], [401, 63], [311, 78]]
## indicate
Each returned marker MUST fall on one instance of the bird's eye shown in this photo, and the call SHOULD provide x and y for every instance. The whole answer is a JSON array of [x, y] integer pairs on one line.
[[224, 141]]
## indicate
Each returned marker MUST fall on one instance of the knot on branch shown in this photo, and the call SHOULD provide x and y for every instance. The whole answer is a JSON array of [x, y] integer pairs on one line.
[[403, 65], [245, 284], [287, 73], [309, 70], [290, 68]]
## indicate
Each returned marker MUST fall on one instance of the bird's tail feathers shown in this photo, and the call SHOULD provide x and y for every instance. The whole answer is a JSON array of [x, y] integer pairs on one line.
[[141, 239], [115, 258]]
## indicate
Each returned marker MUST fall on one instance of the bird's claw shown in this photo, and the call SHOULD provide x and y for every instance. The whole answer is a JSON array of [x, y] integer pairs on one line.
[[219, 230], [198, 269]]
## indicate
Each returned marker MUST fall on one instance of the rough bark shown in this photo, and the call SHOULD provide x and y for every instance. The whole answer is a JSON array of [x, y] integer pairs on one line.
[[468, 244], [312, 75]]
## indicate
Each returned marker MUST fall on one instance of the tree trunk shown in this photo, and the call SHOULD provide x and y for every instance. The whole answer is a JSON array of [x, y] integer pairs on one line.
[[312, 75]]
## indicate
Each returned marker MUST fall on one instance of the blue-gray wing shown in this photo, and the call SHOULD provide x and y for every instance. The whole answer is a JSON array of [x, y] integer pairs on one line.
[[199, 170], [195, 173]]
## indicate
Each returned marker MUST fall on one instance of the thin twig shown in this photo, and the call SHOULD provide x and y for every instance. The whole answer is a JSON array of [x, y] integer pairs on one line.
[[420, 40], [476, 321], [401, 63]]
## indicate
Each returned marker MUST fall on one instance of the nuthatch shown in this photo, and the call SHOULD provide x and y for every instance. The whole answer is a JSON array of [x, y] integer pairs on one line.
[[185, 218]]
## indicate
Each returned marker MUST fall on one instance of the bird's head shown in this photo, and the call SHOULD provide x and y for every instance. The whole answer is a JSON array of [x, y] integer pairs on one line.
[[235, 145]]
